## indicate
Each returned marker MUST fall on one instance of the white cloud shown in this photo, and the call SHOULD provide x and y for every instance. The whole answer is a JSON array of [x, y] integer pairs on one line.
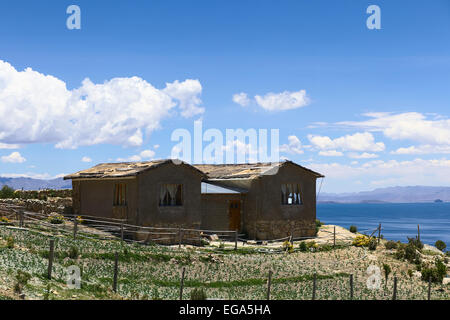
[[283, 101], [14, 157], [331, 153], [241, 99], [143, 155], [187, 93], [86, 159], [412, 126], [294, 146], [363, 155], [147, 154], [423, 149], [120, 111], [356, 142], [387, 173], [9, 146]]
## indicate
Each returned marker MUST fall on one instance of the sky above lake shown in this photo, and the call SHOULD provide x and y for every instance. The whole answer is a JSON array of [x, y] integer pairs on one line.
[[367, 108]]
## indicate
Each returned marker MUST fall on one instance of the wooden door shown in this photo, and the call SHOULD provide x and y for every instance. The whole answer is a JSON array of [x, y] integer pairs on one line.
[[235, 214]]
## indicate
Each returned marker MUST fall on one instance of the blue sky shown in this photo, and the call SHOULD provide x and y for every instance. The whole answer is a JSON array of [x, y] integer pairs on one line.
[[368, 108]]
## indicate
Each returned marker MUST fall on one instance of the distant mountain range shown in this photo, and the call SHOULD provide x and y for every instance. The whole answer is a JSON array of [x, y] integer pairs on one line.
[[35, 184], [391, 194]]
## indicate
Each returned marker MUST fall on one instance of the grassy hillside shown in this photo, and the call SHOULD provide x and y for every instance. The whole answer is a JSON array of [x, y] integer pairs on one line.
[[153, 272]]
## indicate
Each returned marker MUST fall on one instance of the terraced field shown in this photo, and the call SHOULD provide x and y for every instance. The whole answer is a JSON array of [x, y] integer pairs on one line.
[[153, 272]]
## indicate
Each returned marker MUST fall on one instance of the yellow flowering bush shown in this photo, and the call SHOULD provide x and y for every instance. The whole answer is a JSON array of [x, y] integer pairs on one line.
[[4, 220], [361, 241], [287, 246], [55, 218]]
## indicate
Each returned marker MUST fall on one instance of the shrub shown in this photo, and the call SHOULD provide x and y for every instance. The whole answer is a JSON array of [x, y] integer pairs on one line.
[[312, 246], [410, 273], [73, 252], [10, 242], [361, 241], [318, 225], [391, 245], [5, 220], [353, 229], [410, 251], [373, 243], [6, 192], [436, 274], [287, 246], [22, 278], [303, 246], [55, 218], [198, 294], [387, 270], [440, 245], [416, 243]]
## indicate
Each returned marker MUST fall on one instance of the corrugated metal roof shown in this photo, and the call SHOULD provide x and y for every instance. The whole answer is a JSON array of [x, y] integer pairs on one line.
[[245, 171], [120, 169], [208, 188]]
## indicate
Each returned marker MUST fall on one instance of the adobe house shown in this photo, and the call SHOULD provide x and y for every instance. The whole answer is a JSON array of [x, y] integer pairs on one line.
[[262, 200]]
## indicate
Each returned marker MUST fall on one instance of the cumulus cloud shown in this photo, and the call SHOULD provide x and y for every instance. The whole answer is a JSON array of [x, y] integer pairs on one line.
[[422, 149], [241, 99], [120, 111], [387, 173], [9, 146], [364, 155], [356, 142], [143, 155], [330, 153], [294, 146], [14, 157], [86, 159], [283, 101], [412, 126]]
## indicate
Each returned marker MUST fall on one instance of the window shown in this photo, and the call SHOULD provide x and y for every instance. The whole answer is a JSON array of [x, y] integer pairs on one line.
[[120, 194], [171, 195], [290, 194]]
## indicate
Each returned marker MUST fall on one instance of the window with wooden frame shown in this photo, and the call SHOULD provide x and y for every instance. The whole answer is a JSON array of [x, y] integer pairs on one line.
[[120, 194], [290, 194], [171, 195]]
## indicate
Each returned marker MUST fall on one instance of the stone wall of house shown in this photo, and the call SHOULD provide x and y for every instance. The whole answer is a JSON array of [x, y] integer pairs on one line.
[[280, 229]]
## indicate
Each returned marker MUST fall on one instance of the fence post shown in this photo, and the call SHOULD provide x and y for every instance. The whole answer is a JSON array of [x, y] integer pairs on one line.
[[394, 296], [21, 218], [235, 239], [116, 271], [314, 286], [379, 233], [418, 232], [121, 231], [429, 287], [269, 283], [179, 237], [334, 237], [75, 227], [50, 259], [182, 283], [351, 287]]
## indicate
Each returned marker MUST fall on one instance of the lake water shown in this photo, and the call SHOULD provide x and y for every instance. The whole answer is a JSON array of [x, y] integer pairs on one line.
[[398, 220]]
